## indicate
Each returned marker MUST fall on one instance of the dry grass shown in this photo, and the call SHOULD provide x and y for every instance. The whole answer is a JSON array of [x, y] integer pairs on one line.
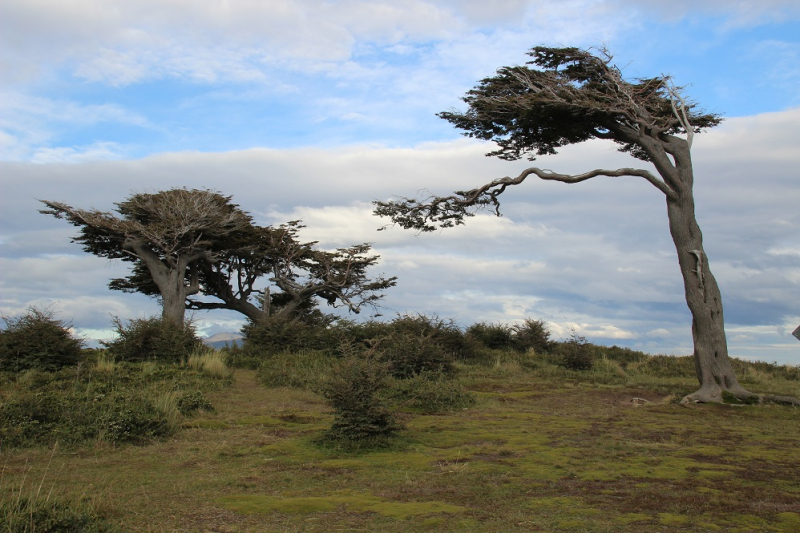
[[209, 362]]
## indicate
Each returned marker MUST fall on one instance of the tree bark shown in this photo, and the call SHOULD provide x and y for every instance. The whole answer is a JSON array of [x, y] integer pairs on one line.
[[712, 364]]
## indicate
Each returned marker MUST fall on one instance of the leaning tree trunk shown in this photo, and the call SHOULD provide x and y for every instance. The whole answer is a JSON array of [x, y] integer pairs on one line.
[[713, 366]]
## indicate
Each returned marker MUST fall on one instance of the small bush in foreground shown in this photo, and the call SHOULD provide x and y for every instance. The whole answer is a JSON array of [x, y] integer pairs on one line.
[[354, 392], [153, 338], [37, 340]]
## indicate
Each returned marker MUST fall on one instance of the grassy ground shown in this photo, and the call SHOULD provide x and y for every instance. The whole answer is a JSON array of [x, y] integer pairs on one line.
[[544, 449]]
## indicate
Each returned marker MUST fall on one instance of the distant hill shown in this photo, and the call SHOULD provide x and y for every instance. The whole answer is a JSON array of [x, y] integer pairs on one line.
[[220, 340]]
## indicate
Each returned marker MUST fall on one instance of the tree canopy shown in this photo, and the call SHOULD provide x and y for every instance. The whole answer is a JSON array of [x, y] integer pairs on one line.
[[167, 233], [189, 244]]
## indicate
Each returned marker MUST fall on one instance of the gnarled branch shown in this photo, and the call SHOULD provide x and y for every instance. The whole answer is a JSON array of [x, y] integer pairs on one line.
[[448, 211]]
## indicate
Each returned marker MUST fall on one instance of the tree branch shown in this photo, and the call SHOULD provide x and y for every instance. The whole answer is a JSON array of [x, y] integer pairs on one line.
[[449, 211]]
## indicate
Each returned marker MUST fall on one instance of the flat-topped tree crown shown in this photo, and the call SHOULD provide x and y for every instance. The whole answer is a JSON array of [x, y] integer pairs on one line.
[[572, 96]]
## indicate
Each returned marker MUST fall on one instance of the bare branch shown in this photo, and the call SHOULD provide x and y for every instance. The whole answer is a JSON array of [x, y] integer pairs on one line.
[[679, 106], [449, 211]]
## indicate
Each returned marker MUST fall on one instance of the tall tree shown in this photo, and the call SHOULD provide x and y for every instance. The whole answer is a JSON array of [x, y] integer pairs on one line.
[[566, 96], [167, 234]]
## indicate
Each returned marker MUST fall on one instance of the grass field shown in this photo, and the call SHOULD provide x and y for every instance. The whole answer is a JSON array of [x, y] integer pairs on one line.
[[542, 449]]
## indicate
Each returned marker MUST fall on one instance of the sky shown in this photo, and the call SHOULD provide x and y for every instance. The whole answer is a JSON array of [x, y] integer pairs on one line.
[[307, 109]]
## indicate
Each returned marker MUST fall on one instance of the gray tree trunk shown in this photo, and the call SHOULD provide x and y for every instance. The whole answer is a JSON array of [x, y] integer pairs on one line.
[[712, 364], [170, 278], [173, 296]]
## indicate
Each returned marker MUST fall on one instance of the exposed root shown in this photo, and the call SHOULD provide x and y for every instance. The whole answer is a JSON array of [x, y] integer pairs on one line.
[[735, 396], [785, 400]]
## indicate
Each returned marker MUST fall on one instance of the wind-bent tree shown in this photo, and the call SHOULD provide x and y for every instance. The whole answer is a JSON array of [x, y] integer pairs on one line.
[[570, 96], [300, 273], [167, 234], [236, 269]]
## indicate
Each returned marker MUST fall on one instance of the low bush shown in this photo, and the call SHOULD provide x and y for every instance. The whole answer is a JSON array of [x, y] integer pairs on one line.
[[430, 393], [153, 339], [241, 357], [37, 340], [126, 405], [493, 336], [443, 332], [532, 335], [190, 402], [354, 390], [576, 353], [284, 335], [623, 356], [408, 353], [26, 514]]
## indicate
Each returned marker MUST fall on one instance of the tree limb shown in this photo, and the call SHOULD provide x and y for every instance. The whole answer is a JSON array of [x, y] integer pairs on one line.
[[449, 211]]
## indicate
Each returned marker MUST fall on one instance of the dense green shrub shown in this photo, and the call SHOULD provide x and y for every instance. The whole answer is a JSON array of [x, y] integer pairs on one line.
[[37, 340], [445, 333], [119, 405], [354, 390], [284, 335], [532, 335], [623, 356], [190, 402], [70, 417], [240, 357], [408, 353], [153, 339], [493, 336], [576, 353], [430, 393]]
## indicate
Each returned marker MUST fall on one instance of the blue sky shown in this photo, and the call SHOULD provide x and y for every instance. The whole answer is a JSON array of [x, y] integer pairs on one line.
[[315, 108]]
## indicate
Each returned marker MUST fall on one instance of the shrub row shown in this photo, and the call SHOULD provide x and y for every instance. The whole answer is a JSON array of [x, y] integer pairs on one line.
[[132, 403]]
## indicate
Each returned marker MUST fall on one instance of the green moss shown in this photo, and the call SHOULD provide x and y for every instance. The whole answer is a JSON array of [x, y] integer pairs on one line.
[[789, 521], [630, 518], [406, 510], [713, 474], [258, 504], [336, 464], [258, 421], [206, 424], [254, 503], [571, 524], [669, 519]]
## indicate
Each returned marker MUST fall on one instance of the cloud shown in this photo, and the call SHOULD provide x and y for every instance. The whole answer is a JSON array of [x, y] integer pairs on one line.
[[596, 256]]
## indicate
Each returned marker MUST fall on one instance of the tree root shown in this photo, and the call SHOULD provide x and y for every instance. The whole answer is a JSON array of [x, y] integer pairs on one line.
[[739, 396]]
